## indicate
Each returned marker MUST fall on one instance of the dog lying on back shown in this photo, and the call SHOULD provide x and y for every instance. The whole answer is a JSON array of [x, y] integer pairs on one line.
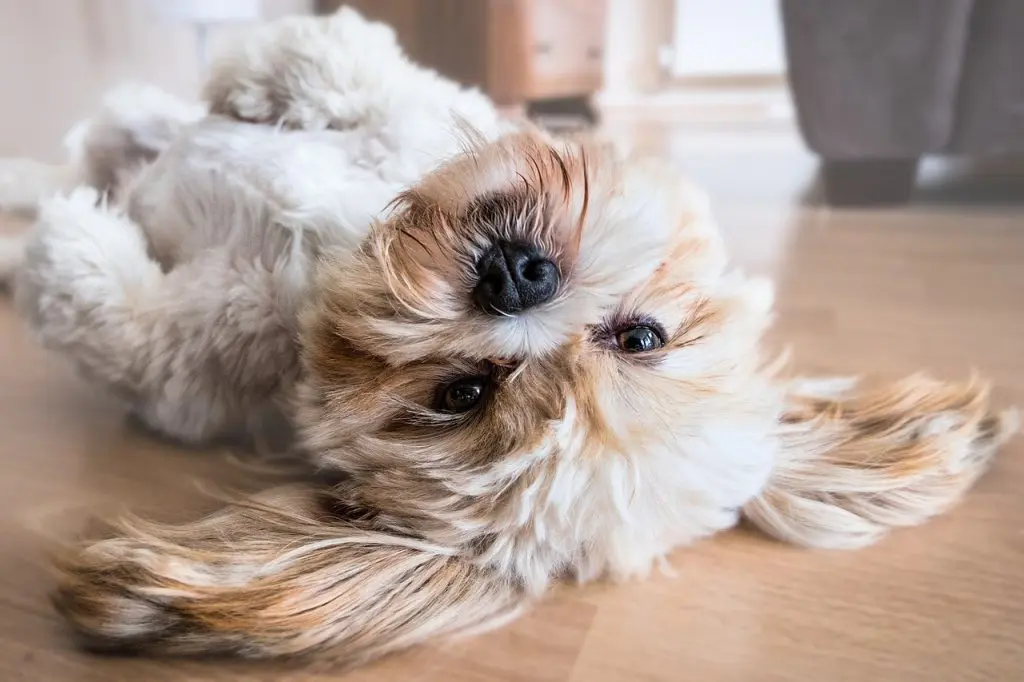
[[525, 359]]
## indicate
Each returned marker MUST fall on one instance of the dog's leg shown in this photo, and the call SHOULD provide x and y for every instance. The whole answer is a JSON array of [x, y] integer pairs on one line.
[[89, 290], [342, 72], [275, 576], [855, 463], [308, 73], [134, 124]]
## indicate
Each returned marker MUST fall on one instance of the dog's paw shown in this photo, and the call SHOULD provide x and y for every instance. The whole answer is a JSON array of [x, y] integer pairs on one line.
[[307, 73], [81, 257], [78, 238], [83, 236]]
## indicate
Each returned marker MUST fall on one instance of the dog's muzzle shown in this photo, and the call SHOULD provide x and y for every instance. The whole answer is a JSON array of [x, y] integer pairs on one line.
[[513, 278]]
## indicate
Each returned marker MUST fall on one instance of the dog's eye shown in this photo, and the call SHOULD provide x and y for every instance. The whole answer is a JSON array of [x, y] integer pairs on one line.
[[639, 339], [462, 395]]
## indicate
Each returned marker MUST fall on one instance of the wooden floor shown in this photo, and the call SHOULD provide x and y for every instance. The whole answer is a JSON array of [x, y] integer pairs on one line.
[[937, 286]]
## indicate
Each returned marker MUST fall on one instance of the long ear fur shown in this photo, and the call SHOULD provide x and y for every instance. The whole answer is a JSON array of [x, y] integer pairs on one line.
[[855, 462], [274, 577]]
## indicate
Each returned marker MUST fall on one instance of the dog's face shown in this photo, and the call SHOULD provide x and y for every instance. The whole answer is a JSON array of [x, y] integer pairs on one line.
[[528, 298]]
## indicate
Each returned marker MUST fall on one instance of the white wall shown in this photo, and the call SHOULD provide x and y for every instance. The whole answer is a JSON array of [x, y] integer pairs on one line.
[[637, 32], [57, 57], [651, 42], [727, 38]]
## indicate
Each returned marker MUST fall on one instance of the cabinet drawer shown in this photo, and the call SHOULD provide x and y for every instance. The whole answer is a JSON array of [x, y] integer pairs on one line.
[[565, 40]]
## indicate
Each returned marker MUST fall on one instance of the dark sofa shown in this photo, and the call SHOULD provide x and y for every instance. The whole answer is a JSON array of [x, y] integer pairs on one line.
[[877, 84]]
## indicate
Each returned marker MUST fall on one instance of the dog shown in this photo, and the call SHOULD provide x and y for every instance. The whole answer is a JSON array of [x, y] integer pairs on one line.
[[522, 359]]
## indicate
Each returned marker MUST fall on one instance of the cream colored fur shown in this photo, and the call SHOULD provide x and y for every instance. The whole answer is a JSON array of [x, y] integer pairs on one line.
[[227, 222], [309, 248]]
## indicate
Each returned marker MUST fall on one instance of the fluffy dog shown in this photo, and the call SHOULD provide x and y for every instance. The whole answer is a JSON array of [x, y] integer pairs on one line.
[[524, 359]]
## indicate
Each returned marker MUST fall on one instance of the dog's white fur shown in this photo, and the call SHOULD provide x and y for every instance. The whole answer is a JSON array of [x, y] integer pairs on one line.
[[248, 263], [216, 219]]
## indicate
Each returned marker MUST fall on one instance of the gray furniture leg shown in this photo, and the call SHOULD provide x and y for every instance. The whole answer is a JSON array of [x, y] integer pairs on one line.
[[868, 182]]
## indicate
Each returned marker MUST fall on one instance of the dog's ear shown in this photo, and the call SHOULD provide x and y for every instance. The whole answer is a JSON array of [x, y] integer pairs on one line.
[[277, 576], [856, 462]]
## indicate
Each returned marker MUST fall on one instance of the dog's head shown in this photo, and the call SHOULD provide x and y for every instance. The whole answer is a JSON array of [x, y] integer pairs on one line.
[[530, 296]]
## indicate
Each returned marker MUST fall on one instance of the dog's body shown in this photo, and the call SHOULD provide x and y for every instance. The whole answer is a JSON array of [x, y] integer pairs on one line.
[[214, 218], [535, 366]]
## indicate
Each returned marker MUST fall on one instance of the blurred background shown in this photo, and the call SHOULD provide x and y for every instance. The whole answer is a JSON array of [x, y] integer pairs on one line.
[[876, 90], [865, 154]]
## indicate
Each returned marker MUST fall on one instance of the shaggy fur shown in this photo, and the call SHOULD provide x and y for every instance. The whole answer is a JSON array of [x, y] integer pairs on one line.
[[226, 224], [311, 247]]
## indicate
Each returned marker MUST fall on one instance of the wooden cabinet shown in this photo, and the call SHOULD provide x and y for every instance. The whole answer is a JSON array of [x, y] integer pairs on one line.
[[520, 52], [566, 47]]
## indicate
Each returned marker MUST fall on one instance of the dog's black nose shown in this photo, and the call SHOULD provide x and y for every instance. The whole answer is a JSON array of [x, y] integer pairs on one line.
[[514, 277]]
